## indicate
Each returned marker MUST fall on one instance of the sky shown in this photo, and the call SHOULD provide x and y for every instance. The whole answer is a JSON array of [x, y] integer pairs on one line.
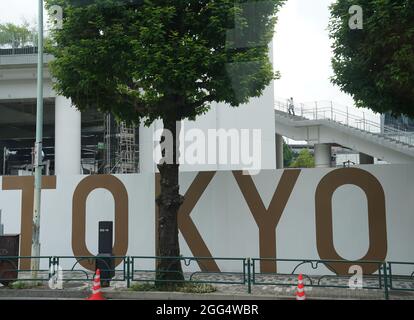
[[302, 50], [302, 53]]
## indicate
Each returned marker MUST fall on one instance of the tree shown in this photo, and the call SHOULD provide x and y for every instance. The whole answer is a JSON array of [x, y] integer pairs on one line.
[[375, 64], [163, 59], [305, 159], [287, 155], [16, 35]]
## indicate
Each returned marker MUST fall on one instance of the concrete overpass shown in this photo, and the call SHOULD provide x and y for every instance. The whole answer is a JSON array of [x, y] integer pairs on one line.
[[18, 87], [323, 126]]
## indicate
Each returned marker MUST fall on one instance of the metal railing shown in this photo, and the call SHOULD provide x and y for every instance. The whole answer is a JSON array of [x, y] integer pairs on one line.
[[329, 274], [79, 267], [401, 276], [18, 45], [11, 269], [16, 51], [139, 273], [382, 276], [327, 110]]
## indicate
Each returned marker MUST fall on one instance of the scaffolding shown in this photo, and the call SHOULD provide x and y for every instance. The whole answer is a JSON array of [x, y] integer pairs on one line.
[[126, 159], [121, 148]]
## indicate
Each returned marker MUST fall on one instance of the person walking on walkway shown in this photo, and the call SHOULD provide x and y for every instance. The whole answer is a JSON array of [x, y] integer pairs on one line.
[[291, 106]]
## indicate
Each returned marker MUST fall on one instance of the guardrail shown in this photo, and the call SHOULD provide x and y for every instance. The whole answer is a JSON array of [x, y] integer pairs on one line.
[[11, 268], [79, 268], [401, 276], [14, 51], [329, 276], [23, 44], [240, 277], [385, 276]]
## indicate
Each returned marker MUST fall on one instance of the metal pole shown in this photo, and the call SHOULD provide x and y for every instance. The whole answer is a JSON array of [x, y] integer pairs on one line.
[[249, 284], [128, 275], [386, 293], [38, 148]]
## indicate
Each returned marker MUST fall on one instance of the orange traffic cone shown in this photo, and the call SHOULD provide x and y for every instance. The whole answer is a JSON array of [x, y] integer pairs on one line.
[[300, 293], [96, 289]]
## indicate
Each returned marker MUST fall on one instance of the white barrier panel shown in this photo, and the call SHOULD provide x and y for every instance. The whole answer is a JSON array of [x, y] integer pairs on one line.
[[350, 213]]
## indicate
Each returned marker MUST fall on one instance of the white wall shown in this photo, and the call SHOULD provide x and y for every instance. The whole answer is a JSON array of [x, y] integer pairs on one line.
[[224, 219]]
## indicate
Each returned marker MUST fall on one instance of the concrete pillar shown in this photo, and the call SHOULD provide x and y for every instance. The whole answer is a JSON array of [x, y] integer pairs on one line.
[[323, 155], [365, 159], [279, 151], [67, 137]]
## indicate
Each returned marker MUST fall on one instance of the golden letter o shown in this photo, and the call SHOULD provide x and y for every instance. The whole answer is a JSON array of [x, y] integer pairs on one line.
[[120, 195], [376, 218]]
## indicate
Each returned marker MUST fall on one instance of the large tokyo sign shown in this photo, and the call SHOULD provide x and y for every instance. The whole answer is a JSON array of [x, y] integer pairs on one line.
[[266, 218]]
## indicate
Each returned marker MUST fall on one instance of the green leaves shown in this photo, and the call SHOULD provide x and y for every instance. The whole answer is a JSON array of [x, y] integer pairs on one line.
[[16, 35], [376, 65], [163, 58], [304, 159]]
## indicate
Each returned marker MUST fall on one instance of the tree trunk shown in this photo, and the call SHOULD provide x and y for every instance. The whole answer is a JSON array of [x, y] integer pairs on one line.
[[169, 201]]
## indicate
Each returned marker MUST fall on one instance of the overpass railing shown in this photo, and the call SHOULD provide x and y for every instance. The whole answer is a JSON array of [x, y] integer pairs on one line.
[[327, 110], [13, 45], [16, 51]]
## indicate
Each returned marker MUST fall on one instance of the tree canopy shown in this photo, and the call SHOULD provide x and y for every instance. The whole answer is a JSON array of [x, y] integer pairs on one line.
[[162, 58], [376, 63], [304, 159]]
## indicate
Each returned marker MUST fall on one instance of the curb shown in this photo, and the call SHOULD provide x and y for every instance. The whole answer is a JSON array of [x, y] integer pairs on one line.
[[42, 293], [127, 295], [153, 295]]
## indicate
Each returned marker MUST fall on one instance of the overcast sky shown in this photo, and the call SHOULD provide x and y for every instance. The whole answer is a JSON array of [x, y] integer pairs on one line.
[[302, 50]]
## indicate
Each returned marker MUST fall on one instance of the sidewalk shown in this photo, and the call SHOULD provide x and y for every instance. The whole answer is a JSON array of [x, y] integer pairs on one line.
[[222, 293], [230, 287]]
